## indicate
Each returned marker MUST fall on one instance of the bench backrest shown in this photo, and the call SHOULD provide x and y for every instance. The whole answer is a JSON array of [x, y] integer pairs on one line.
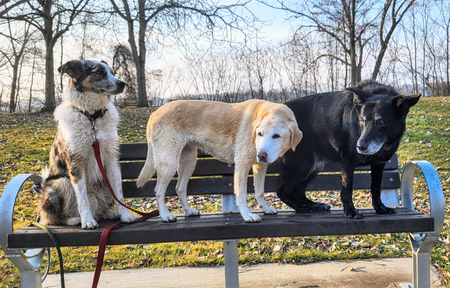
[[212, 177]]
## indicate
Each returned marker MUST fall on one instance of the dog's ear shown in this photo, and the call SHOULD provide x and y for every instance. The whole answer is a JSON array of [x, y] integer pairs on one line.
[[73, 68], [258, 121], [402, 103], [296, 134], [359, 96], [255, 126]]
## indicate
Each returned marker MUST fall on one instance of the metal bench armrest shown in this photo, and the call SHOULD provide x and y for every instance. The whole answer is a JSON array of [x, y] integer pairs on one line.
[[28, 262], [422, 243], [437, 209]]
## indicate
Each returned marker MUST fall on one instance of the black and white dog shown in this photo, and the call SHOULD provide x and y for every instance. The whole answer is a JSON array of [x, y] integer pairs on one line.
[[73, 190], [362, 125]]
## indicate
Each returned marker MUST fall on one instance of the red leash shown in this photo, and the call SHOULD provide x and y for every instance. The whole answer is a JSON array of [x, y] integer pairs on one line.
[[105, 233]]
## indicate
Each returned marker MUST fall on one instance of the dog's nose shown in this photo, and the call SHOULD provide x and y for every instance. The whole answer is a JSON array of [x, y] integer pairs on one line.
[[120, 85], [262, 155], [362, 147]]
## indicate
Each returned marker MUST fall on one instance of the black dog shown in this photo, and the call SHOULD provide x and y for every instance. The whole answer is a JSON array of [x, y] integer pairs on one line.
[[360, 126]]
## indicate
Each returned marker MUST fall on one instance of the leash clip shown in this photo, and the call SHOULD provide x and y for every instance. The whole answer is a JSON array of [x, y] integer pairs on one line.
[[94, 133]]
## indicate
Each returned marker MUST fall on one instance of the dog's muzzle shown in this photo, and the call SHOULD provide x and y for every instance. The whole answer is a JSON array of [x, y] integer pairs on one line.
[[262, 156], [120, 86], [368, 148]]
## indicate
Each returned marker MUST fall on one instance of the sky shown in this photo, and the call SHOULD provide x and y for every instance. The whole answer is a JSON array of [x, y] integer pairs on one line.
[[275, 28]]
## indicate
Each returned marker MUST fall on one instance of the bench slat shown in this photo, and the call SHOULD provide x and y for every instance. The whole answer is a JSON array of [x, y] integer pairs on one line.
[[219, 226], [208, 167], [224, 185]]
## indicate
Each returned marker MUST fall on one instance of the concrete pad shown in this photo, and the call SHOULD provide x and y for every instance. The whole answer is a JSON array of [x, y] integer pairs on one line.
[[379, 273]]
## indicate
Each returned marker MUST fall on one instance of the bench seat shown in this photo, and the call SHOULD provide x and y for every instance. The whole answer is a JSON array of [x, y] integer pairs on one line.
[[229, 225]]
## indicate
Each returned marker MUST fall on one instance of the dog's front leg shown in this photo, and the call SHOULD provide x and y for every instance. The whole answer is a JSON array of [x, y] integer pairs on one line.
[[115, 178], [240, 190], [375, 188], [347, 193], [259, 170], [84, 207]]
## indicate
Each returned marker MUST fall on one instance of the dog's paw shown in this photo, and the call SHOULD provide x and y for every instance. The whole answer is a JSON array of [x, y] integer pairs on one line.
[[74, 221], [128, 217], [89, 224], [111, 215], [268, 210], [321, 207], [251, 218], [191, 212], [382, 209], [167, 217], [353, 213]]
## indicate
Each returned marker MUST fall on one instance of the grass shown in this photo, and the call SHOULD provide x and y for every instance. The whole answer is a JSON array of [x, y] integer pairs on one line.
[[25, 141]]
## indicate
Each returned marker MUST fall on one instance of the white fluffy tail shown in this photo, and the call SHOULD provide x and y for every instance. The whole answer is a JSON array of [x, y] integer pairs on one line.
[[149, 168]]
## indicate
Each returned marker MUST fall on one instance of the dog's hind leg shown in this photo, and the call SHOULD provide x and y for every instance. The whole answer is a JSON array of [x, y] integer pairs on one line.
[[377, 177], [188, 161], [305, 205], [115, 178], [259, 170], [296, 171], [166, 167]]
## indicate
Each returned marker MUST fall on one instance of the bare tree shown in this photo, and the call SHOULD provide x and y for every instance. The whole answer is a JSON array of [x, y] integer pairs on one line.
[[257, 64], [6, 6], [52, 18], [345, 21], [394, 17], [352, 24], [123, 67], [18, 43], [167, 18]]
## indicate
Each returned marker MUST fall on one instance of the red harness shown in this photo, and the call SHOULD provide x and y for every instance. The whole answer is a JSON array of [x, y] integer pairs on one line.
[[105, 233]]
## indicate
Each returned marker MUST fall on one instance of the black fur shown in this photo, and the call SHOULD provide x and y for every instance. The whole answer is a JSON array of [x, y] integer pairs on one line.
[[360, 126]]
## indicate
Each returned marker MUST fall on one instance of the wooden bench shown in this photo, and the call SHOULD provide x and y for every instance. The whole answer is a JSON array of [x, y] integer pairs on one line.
[[130, 103], [24, 247]]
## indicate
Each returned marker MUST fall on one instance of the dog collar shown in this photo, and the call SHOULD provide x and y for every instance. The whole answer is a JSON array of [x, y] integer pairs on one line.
[[92, 117], [97, 114]]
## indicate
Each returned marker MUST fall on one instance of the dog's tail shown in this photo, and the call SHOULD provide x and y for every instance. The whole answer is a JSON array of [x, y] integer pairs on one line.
[[149, 168]]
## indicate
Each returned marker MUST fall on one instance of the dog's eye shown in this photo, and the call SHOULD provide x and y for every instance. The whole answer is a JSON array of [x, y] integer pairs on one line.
[[275, 136], [260, 134], [381, 122]]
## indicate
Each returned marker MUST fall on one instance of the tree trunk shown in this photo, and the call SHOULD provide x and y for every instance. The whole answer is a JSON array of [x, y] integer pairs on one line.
[[32, 81], [376, 69], [142, 91], [50, 102], [12, 97], [352, 39]]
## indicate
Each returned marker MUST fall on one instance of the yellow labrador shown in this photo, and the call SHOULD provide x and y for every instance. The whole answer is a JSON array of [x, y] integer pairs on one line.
[[253, 133]]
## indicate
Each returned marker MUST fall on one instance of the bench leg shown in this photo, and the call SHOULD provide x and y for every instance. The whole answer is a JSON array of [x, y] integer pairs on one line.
[[231, 263], [421, 247], [230, 247], [30, 273]]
